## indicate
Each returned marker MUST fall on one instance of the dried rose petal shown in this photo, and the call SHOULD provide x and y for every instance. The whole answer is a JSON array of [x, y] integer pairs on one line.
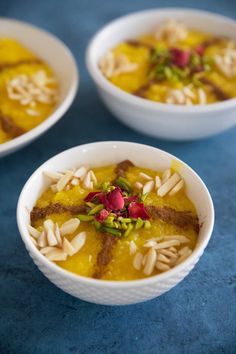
[[179, 57], [90, 196], [115, 199], [137, 210], [200, 50], [101, 217], [133, 198]]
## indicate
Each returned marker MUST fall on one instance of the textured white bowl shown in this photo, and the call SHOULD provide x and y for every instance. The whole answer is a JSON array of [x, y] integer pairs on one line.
[[58, 56], [104, 153], [153, 118]]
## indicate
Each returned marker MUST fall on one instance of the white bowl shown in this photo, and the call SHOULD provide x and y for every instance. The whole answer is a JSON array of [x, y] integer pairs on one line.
[[153, 118], [115, 292], [62, 62]]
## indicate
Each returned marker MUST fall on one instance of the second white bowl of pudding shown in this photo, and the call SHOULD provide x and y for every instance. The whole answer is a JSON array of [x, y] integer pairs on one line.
[[126, 225], [168, 73]]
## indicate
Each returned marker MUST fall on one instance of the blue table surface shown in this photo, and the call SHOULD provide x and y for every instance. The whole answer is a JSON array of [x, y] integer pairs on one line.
[[197, 316]]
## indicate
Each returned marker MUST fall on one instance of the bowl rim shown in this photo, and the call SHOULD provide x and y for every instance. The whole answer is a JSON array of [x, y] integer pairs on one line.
[[62, 107], [111, 283], [115, 91]]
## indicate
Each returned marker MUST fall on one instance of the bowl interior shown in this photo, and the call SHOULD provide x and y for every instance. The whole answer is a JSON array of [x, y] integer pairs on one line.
[[132, 26], [98, 154]]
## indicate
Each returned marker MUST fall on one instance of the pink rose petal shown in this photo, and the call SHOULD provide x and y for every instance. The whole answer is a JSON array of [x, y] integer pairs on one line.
[[115, 199], [137, 210], [200, 50], [90, 196], [179, 57], [101, 217]]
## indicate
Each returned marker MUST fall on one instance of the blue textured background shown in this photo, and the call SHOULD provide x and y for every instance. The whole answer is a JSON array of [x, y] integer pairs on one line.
[[198, 316]]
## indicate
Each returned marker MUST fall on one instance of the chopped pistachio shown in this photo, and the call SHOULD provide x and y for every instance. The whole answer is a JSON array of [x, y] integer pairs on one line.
[[129, 229], [90, 204], [97, 224], [147, 224], [139, 224], [111, 231], [83, 217], [96, 209], [123, 184]]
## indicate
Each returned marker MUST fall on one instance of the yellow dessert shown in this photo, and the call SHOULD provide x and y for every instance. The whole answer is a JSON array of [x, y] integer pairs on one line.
[[28, 90], [118, 222], [174, 65]]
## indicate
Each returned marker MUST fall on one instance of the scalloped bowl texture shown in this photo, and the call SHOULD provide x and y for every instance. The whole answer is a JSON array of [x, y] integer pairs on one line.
[[160, 120], [100, 154], [55, 53]]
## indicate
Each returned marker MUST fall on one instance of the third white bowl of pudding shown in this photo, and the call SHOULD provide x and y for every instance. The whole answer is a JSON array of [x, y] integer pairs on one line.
[[169, 73], [115, 222]]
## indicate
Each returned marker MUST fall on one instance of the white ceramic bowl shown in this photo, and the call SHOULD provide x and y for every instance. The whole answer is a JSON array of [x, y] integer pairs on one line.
[[152, 118], [62, 62], [114, 292]]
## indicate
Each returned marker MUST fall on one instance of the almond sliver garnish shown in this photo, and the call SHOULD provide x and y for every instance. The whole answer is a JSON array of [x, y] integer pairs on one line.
[[34, 241], [150, 262], [145, 176], [177, 187], [148, 187], [78, 241], [64, 180], [80, 172], [137, 261], [68, 248], [42, 239], [54, 176], [138, 185], [180, 238], [56, 255], [88, 184], [184, 256], [47, 249], [58, 235], [166, 175], [157, 182], [49, 229], [75, 181], [132, 248], [168, 185], [33, 232], [69, 226], [167, 244], [162, 258], [162, 266], [93, 177]]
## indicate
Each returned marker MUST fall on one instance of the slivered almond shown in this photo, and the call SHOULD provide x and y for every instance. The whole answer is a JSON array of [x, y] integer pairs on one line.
[[180, 238], [150, 262], [42, 240], [166, 175], [148, 187], [168, 185], [80, 172], [54, 176], [88, 183], [58, 235], [167, 244], [78, 241], [184, 250], [157, 182], [56, 255], [64, 180], [166, 252], [75, 181], [184, 256], [150, 243], [145, 176], [33, 232], [45, 250], [162, 266], [54, 188], [34, 241], [137, 261], [138, 185], [49, 228], [163, 258], [69, 226], [132, 248], [93, 177], [67, 247], [177, 187]]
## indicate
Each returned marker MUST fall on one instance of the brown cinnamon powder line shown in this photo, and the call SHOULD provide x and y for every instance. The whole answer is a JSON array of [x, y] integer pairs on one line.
[[142, 91], [57, 208], [139, 44], [169, 215], [4, 66], [9, 127], [217, 91], [105, 256]]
